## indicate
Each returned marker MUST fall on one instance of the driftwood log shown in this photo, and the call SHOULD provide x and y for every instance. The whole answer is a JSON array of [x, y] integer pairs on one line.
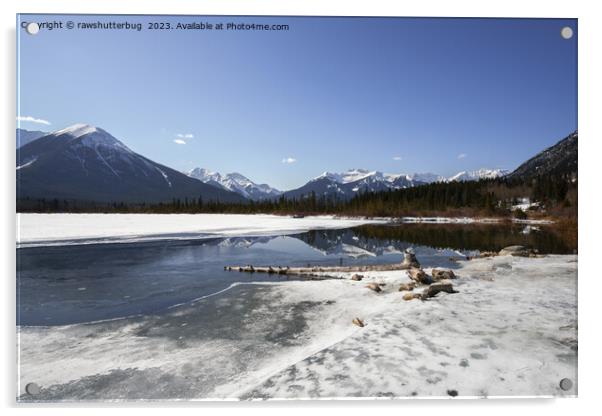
[[313, 271]]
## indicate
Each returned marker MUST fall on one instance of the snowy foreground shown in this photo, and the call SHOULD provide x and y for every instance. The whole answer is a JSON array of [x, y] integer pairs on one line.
[[510, 331], [61, 229]]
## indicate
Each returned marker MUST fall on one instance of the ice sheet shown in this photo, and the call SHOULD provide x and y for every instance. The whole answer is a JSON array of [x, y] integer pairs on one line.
[[510, 331], [59, 229]]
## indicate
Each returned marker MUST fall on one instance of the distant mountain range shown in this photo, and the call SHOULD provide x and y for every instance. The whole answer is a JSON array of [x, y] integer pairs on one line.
[[235, 182], [26, 136], [348, 184], [343, 185], [87, 163]]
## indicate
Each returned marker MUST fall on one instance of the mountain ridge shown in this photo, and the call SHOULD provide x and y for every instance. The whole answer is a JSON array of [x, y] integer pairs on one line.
[[560, 158], [83, 162], [332, 184], [347, 184], [235, 182]]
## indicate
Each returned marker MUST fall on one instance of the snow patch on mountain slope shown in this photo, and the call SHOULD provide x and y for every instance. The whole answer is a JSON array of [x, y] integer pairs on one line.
[[76, 130], [104, 161], [28, 163], [164, 176], [93, 137]]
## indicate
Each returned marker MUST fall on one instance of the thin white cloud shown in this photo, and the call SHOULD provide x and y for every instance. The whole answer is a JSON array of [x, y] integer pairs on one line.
[[185, 136], [33, 120], [462, 155], [396, 157], [289, 160], [179, 141]]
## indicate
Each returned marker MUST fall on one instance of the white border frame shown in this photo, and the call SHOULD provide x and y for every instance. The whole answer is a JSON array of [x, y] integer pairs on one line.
[[590, 113]]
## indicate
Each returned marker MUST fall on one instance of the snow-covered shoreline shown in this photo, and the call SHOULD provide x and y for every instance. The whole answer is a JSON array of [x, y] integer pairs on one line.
[[63, 229], [511, 330], [465, 220], [34, 230]]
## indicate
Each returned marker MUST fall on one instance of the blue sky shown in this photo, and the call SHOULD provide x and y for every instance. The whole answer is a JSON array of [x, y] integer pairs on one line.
[[398, 95]]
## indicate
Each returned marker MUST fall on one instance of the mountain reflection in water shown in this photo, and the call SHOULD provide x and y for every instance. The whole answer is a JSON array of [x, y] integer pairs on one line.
[[82, 283]]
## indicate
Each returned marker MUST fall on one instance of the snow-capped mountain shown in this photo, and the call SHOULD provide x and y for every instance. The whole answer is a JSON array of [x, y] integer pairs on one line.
[[426, 177], [235, 182], [354, 175], [348, 184], [84, 162], [476, 175], [206, 176]]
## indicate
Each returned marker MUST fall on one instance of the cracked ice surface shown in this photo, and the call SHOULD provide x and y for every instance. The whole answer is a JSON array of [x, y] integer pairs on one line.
[[510, 331]]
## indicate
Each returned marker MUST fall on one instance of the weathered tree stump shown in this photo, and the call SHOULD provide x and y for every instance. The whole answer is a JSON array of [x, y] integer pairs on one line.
[[409, 259]]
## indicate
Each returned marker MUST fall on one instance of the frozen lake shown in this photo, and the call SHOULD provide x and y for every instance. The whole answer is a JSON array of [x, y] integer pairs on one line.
[[164, 316], [60, 285]]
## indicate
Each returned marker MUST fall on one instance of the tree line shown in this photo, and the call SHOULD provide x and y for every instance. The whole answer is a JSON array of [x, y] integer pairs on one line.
[[556, 193]]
